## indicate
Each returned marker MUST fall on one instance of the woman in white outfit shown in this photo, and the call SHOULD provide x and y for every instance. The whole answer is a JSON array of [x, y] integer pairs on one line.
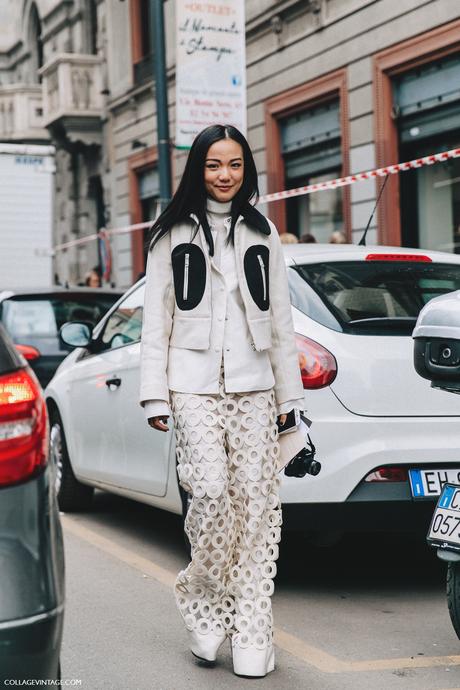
[[218, 352]]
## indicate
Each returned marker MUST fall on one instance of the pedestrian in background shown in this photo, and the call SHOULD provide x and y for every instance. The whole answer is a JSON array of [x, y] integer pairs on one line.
[[308, 238], [337, 237], [218, 352], [93, 278], [288, 238]]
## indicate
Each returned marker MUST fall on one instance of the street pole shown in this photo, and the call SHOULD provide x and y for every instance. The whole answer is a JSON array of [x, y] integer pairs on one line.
[[161, 94]]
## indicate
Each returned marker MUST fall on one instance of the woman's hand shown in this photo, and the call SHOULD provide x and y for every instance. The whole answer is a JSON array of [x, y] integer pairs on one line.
[[160, 423], [282, 418]]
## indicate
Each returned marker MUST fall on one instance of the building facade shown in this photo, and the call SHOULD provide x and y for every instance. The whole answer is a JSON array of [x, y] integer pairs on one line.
[[333, 87]]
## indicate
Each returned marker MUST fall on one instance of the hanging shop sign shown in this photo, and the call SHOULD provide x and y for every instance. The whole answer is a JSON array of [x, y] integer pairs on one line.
[[210, 67]]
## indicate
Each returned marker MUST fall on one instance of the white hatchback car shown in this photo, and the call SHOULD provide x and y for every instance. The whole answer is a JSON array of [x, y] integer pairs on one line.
[[384, 437]]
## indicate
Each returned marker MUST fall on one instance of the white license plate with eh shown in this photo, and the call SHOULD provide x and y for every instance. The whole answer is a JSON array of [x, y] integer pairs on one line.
[[429, 483]]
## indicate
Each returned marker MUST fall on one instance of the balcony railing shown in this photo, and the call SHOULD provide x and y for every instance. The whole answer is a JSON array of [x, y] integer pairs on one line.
[[21, 114], [72, 94]]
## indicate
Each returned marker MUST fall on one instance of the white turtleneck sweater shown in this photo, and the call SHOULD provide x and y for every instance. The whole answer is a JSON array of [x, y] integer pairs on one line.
[[237, 352]]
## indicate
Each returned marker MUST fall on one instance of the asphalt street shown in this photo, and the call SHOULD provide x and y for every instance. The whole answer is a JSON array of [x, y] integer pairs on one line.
[[367, 614]]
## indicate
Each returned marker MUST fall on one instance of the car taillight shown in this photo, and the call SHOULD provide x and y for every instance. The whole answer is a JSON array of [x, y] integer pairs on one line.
[[28, 351], [23, 426], [318, 366], [398, 257], [387, 474]]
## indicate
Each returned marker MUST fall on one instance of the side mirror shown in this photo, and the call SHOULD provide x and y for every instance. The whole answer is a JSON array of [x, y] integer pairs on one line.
[[76, 333], [437, 342]]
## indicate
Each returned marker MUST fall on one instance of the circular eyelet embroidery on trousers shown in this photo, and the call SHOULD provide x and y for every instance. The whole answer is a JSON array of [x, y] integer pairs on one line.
[[227, 450]]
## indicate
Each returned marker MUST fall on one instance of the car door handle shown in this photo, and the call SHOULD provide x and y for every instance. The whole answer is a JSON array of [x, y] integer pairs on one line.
[[116, 381]]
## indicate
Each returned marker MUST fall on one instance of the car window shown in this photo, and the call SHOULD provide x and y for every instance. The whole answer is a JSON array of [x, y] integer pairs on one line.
[[374, 297], [24, 318], [309, 302], [124, 325], [27, 319]]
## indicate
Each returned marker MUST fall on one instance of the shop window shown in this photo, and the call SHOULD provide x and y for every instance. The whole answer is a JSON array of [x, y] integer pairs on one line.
[[311, 153], [426, 105]]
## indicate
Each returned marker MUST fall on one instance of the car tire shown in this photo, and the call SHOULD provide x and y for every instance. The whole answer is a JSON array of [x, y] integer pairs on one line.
[[72, 495], [453, 595]]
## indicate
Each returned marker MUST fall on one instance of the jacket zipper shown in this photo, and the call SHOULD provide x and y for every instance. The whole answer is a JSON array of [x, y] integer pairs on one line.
[[185, 292], [262, 270]]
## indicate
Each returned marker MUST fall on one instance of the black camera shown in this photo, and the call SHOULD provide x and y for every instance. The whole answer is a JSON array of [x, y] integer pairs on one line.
[[304, 462]]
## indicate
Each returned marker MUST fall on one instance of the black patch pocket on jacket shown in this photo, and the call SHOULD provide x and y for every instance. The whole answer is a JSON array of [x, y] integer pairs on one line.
[[189, 273], [256, 271]]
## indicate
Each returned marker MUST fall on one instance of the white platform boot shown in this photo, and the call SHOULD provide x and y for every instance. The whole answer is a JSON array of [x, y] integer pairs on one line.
[[205, 646], [251, 662]]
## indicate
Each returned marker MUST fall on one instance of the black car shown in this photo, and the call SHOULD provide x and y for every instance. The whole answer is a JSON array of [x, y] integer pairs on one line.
[[31, 544], [33, 318]]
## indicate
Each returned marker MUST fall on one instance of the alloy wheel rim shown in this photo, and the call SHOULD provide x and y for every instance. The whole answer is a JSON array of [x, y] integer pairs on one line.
[[56, 455]]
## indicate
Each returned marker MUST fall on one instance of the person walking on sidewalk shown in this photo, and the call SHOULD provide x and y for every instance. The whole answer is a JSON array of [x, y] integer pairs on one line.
[[218, 353]]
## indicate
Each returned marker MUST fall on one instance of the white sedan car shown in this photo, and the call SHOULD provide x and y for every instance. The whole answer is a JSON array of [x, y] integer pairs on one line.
[[385, 439]]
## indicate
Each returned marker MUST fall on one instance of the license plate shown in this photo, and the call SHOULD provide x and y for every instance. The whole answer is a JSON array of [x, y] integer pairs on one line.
[[445, 525], [428, 483]]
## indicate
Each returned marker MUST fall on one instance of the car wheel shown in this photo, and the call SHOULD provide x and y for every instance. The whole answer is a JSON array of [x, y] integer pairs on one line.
[[186, 500], [453, 595], [71, 494]]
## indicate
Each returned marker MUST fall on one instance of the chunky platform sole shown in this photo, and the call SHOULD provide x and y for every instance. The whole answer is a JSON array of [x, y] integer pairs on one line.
[[249, 662], [205, 662], [205, 647]]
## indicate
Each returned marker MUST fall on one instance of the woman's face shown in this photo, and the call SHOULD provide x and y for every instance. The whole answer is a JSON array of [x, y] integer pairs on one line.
[[224, 169]]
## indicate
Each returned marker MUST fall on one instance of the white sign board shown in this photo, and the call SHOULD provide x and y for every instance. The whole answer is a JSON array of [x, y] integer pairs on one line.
[[210, 67]]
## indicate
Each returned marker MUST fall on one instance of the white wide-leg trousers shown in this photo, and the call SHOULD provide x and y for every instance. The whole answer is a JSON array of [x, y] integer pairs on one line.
[[227, 452]]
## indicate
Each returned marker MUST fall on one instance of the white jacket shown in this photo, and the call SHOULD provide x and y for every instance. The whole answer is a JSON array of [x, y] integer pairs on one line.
[[183, 312]]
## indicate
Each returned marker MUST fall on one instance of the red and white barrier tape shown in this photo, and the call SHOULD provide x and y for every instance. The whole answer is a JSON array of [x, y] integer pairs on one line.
[[107, 231], [359, 177], [299, 191]]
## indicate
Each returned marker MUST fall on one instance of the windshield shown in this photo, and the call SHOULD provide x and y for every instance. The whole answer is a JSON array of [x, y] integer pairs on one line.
[[371, 297], [34, 320]]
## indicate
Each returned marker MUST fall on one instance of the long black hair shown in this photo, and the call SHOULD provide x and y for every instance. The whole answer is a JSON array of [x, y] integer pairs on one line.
[[190, 196]]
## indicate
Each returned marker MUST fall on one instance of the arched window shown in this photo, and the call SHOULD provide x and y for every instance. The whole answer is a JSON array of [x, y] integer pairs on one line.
[[35, 42]]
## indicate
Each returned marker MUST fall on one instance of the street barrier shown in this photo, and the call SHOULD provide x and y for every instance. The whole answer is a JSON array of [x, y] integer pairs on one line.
[[359, 177], [396, 168]]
